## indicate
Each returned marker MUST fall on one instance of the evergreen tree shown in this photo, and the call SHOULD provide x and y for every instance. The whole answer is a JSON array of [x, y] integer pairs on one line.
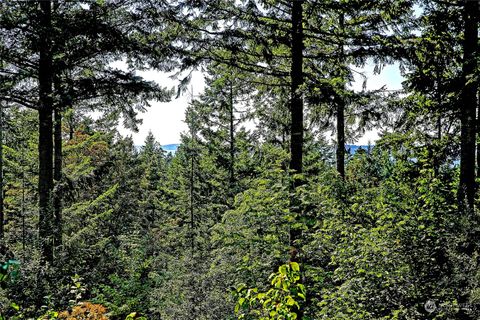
[[468, 108], [81, 74]]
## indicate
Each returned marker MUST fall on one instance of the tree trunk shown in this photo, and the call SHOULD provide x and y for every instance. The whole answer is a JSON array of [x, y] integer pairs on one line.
[[438, 97], [57, 176], [71, 125], [296, 102], [478, 136], [468, 108], [438, 149], [341, 139], [296, 125], [341, 116], [191, 207], [2, 211], [193, 313], [296, 121], [232, 138], [24, 232], [45, 141]]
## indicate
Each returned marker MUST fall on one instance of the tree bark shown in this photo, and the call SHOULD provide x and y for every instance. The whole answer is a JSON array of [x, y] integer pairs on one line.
[[296, 125], [191, 207], [45, 141], [296, 121], [478, 136], [340, 152], [71, 125], [57, 176], [341, 138], [297, 79], [232, 138], [193, 313], [438, 98], [2, 211], [468, 108], [24, 232]]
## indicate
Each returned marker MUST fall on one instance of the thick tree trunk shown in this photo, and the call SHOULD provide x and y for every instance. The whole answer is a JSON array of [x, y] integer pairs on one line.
[[468, 108], [45, 141], [296, 102], [296, 121], [296, 124]]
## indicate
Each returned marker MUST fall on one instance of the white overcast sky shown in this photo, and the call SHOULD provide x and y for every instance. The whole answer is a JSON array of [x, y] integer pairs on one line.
[[166, 120]]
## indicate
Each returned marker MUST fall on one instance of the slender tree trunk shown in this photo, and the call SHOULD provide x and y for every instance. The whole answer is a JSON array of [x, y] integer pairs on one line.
[[193, 290], [23, 206], [193, 151], [467, 187], [71, 126], [192, 239], [341, 139], [478, 135], [341, 116], [438, 150], [192, 213], [57, 176], [2, 212], [232, 138], [45, 143]]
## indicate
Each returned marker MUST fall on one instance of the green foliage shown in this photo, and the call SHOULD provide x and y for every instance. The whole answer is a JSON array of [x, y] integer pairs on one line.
[[280, 302], [9, 271], [166, 236]]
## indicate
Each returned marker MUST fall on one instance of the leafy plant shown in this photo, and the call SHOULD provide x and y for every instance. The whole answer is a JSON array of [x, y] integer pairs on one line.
[[8, 272], [281, 301]]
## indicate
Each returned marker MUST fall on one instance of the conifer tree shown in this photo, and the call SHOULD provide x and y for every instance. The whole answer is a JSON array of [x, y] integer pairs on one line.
[[468, 109], [82, 74]]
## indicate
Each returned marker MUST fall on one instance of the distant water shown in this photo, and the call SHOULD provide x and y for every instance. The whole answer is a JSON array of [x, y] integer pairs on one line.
[[352, 149], [170, 148]]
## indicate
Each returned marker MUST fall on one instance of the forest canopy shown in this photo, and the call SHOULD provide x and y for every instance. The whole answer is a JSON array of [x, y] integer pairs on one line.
[[271, 221]]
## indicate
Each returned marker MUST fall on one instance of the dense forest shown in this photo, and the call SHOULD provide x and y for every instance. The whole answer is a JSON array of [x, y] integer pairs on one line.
[[263, 221]]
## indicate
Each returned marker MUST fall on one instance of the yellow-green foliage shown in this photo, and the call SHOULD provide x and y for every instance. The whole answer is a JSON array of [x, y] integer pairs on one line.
[[281, 301]]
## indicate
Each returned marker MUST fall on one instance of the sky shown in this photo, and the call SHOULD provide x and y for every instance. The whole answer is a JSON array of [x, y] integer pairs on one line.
[[166, 120], [389, 77]]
